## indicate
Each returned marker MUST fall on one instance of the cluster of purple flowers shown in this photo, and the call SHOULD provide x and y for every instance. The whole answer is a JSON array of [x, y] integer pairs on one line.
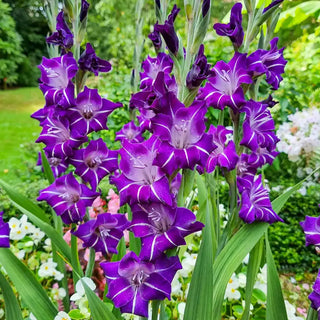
[[67, 120], [170, 136]]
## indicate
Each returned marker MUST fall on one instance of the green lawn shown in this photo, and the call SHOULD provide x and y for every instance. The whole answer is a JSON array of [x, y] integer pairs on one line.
[[17, 129]]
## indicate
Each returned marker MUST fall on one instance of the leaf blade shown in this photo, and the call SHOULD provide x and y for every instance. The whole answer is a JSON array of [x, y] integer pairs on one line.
[[27, 286]]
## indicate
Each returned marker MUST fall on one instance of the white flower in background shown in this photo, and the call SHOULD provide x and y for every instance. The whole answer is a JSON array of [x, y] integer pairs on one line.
[[83, 306], [37, 235], [176, 286], [62, 316], [188, 264], [242, 280], [231, 291], [17, 232], [300, 136], [261, 282], [20, 254], [47, 245], [58, 293], [80, 292], [1, 313], [27, 226], [291, 311], [181, 309], [48, 269]]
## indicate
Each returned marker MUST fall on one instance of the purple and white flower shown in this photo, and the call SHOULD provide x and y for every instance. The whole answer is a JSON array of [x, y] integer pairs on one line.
[[58, 164], [258, 127], [162, 227], [4, 233], [130, 132], [269, 62], [55, 79], [314, 297], [256, 205], [63, 37], [90, 62], [225, 155], [68, 198], [152, 66], [168, 32], [58, 138], [132, 282], [90, 112], [94, 162], [224, 87], [184, 141], [311, 229], [104, 233], [200, 70], [140, 180], [233, 29]]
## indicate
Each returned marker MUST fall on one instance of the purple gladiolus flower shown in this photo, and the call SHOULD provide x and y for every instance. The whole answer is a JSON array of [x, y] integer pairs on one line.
[[68, 198], [311, 229], [225, 155], [314, 297], [245, 173], [90, 112], [262, 156], [270, 62], [256, 205], [233, 29], [167, 31], [43, 113], [132, 282], [90, 62], [162, 227], [58, 137], [155, 37], [224, 88], [200, 70], [4, 233], [58, 165], [130, 132], [258, 127], [152, 67], [184, 142], [104, 233], [63, 36], [205, 7], [140, 180], [160, 98], [55, 79], [272, 4], [84, 10], [94, 162]]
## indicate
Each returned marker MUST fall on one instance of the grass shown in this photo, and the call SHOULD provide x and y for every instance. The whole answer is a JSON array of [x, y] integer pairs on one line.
[[17, 129]]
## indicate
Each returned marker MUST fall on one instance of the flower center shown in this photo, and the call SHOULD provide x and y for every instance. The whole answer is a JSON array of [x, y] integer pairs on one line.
[[93, 162], [54, 162], [181, 134], [139, 278], [159, 221], [87, 111], [70, 197]]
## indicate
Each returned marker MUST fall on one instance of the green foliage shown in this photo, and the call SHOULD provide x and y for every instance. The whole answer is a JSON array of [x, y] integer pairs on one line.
[[10, 49], [32, 27], [301, 84]]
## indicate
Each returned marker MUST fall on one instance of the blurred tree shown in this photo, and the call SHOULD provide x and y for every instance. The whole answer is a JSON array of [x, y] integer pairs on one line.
[[32, 26], [10, 49]]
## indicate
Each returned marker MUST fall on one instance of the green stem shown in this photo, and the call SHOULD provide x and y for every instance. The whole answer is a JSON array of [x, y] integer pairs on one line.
[[91, 262], [75, 257]]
